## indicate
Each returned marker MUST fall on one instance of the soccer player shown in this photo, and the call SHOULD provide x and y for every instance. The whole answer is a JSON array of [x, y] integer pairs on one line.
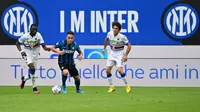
[[117, 56], [30, 53], [66, 60]]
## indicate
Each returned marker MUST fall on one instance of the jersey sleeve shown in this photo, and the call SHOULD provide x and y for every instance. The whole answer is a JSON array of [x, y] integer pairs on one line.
[[109, 34], [58, 44], [22, 39], [41, 39], [125, 40], [77, 48]]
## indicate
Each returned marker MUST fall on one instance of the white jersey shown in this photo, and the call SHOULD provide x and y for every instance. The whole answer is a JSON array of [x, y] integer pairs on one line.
[[117, 43], [31, 47], [31, 44]]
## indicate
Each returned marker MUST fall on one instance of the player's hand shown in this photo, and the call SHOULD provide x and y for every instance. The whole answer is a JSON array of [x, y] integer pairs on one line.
[[61, 52], [24, 56], [32, 46], [103, 51], [80, 57], [47, 49], [125, 58]]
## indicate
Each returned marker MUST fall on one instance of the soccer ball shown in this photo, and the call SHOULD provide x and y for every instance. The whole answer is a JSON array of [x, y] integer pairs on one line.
[[56, 89]]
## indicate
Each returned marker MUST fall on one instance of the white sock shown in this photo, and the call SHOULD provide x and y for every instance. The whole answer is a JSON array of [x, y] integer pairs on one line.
[[110, 82], [125, 80], [26, 78], [33, 81]]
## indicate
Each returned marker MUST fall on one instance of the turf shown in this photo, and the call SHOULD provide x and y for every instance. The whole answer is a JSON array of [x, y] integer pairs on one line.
[[96, 99]]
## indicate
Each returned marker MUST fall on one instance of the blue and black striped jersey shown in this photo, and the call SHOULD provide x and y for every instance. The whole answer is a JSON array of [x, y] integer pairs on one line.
[[68, 57]]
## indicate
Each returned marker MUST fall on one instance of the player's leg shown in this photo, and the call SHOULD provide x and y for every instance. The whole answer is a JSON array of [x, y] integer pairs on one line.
[[27, 77], [123, 74], [74, 73], [32, 74], [77, 83], [110, 64], [65, 73]]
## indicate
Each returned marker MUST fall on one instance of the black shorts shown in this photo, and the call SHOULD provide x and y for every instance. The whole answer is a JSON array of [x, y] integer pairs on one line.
[[72, 69]]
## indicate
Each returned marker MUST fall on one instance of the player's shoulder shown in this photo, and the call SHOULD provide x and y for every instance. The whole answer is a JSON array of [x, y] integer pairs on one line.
[[62, 42], [122, 35], [25, 35], [75, 44], [38, 34], [109, 34]]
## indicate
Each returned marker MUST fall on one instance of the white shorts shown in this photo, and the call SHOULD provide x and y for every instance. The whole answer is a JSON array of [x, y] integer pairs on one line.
[[32, 58], [115, 60]]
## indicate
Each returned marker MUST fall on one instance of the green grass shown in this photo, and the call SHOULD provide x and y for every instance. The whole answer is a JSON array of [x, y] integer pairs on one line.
[[96, 99]]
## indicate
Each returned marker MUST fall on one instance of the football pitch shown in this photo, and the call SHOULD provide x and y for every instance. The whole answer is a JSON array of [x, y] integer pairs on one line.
[[96, 99]]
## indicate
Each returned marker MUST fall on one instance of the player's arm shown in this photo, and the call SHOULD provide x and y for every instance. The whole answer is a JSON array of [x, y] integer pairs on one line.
[[128, 49], [105, 44], [54, 48], [20, 41], [18, 44], [80, 53], [42, 43], [126, 41], [45, 47], [80, 57]]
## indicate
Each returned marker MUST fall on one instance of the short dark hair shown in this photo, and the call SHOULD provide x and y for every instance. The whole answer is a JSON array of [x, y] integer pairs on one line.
[[70, 32], [117, 24], [33, 25]]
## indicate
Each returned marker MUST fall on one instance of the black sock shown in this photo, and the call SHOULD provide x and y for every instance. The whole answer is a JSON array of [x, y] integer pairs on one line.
[[64, 78], [77, 83]]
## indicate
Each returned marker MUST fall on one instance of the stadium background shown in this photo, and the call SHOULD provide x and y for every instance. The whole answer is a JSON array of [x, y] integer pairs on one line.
[[167, 67], [156, 59]]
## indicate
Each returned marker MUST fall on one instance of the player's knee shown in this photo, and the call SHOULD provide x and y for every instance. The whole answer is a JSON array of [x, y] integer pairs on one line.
[[32, 68], [108, 71], [65, 72], [120, 71], [76, 77]]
